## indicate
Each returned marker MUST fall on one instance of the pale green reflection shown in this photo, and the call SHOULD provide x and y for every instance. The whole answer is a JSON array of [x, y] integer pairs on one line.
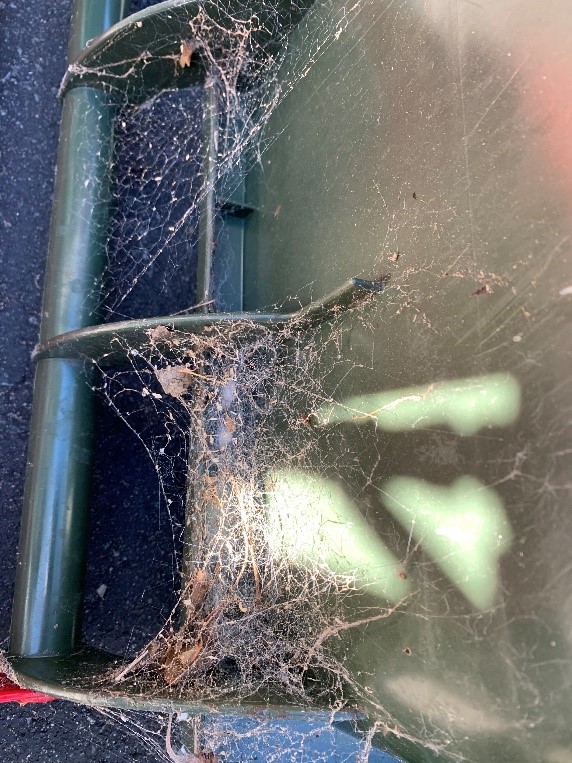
[[445, 705], [465, 405], [462, 527], [312, 522]]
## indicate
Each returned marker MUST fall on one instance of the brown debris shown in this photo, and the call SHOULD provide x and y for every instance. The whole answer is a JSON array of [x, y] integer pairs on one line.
[[178, 660], [160, 334], [187, 50], [176, 380], [198, 590]]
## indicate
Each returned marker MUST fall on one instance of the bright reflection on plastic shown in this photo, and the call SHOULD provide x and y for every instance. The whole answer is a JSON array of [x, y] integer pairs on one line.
[[462, 527], [444, 705], [313, 522], [465, 405]]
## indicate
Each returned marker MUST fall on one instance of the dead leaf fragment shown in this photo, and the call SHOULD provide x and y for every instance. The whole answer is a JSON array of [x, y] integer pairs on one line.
[[160, 334], [177, 665], [175, 380], [230, 424], [187, 50], [198, 591]]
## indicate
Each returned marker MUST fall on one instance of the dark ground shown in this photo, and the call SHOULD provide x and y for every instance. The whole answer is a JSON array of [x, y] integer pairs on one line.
[[32, 63]]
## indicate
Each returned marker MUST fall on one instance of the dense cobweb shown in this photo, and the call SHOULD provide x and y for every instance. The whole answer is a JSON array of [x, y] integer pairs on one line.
[[246, 70], [233, 407]]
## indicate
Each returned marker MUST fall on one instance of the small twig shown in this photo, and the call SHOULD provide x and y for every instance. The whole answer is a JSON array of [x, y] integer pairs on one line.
[[194, 307], [133, 664], [334, 630], [174, 756]]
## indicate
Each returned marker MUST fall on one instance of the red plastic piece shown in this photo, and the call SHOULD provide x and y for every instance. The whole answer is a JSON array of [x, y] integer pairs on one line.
[[11, 692]]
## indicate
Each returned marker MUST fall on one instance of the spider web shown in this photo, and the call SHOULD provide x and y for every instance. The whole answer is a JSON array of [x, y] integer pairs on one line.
[[298, 540]]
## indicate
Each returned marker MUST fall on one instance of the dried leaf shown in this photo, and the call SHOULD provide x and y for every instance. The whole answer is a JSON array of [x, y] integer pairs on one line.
[[188, 657], [177, 667], [175, 380], [160, 334], [229, 423], [187, 50], [199, 589]]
